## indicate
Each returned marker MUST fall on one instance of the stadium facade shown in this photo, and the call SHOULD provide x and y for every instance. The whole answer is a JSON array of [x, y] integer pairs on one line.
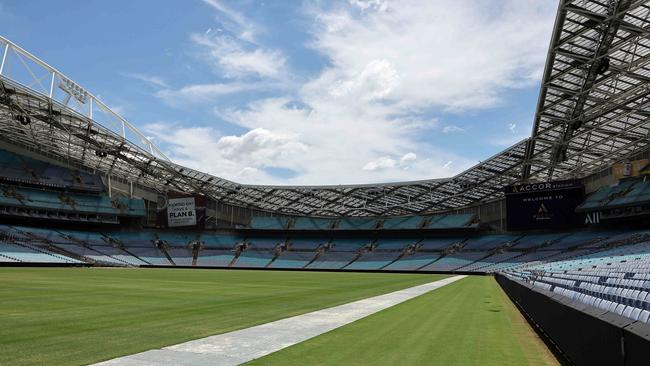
[[562, 214]]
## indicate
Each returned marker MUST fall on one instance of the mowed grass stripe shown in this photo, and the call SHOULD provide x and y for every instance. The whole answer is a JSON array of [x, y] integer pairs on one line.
[[73, 316], [469, 322]]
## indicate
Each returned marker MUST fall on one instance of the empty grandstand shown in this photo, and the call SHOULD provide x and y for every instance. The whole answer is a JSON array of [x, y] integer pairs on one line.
[[561, 219]]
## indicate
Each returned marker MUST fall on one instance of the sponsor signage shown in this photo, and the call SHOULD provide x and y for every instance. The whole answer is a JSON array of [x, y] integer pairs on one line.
[[544, 205], [629, 169], [181, 212], [543, 186], [592, 218]]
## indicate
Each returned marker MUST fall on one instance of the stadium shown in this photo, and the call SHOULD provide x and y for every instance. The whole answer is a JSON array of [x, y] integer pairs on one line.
[[113, 254]]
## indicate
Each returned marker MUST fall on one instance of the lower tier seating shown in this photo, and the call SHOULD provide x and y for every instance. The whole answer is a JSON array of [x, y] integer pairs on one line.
[[292, 259], [608, 270], [548, 253], [614, 279], [180, 256]]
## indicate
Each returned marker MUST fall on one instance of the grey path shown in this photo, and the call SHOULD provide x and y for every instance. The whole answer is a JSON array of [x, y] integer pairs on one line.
[[244, 345]]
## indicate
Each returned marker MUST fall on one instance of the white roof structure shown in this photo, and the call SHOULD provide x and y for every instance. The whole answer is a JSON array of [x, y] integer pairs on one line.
[[592, 111]]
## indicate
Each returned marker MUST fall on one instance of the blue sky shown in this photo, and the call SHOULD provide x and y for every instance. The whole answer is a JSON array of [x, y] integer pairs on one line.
[[304, 92]]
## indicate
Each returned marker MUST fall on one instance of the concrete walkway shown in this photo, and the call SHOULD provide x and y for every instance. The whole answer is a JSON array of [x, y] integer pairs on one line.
[[244, 345]]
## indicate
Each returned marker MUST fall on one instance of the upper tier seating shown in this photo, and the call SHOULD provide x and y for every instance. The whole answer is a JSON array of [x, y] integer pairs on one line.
[[75, 202], [438, 243], [307, 223], [394, 244], [307, 244], [624, 194], [408, 222], [22, 169], [349, 245], [446, 222], [357, 223], [449, 221], [269, 223]]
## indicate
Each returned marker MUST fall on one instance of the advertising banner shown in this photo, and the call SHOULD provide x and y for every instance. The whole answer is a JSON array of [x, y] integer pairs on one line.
[[181, 212], [628, 169]]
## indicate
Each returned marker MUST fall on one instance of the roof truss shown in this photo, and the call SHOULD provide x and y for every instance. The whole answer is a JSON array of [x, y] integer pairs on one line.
[[589, 116]]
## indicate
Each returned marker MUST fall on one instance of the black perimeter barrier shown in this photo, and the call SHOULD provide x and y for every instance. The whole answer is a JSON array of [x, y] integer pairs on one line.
[[583, 334]]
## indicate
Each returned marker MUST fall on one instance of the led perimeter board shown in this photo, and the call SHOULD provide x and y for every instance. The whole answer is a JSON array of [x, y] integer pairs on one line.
[[545, 205]]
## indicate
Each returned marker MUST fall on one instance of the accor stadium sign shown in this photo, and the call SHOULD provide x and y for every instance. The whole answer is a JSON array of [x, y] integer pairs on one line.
[[545, 205], [543, 186]]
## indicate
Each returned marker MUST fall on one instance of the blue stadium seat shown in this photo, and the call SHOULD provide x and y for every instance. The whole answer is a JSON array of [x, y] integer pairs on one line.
[[357, 223], [308, 223], [293, 259], [408, 222], [215, 258], [269, 223], [449, 221]]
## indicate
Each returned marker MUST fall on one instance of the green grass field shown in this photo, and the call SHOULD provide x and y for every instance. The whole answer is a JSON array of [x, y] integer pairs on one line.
[[470, 322], [65, 316], [72, 316]]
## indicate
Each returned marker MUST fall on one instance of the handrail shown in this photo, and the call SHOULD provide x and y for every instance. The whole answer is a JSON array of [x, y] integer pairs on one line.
[[71, 90]]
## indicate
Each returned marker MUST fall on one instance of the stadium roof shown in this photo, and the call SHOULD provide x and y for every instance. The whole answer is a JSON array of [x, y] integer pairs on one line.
[[592, 112], [593, 104]]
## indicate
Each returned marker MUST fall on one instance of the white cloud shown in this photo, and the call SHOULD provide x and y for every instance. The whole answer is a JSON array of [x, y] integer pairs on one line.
[[241, 158], [381, 163], [377, 79], [320, 142], [235, 21], [197, 147], [348, 142], [455, 54], [260, 147], [200, 93], [386, 162], [234, 59], [361, 118], [452, 129], [408, 158], [379, 5], [149, 79], [512, 127]]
